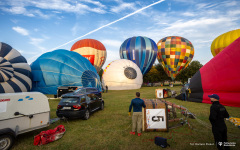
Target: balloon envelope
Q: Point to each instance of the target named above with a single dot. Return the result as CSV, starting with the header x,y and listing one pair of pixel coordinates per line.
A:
x,y
93,50
223,41
63,68
15,73
174,53
141,50
122,74
219,76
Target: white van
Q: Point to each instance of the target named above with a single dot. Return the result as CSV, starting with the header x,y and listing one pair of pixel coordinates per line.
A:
x,y
20,113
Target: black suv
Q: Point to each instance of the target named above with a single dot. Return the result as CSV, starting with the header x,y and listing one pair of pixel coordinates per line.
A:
x,y
79,105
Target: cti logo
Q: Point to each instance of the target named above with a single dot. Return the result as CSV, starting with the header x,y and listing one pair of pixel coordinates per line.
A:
x,y
157,118
27,97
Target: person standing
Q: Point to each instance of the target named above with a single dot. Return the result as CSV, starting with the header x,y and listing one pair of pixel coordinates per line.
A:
x,y
106,88
184,94
137,105
217,114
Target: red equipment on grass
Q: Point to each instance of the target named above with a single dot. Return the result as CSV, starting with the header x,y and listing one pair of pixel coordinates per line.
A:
x,y
49,136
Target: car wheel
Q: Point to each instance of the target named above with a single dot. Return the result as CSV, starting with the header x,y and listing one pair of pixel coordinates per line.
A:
x,y
102,106
6,141
86,115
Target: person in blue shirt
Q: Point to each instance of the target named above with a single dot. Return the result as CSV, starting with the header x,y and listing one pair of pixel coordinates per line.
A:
x,y
137,105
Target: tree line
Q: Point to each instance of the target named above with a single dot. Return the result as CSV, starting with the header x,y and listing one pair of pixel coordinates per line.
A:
x,y
157,73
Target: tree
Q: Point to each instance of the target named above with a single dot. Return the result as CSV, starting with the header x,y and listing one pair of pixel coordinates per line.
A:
x,y
151,76
100,73
188,72
162,74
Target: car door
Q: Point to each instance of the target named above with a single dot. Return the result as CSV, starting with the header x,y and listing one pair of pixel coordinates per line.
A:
x,y
92,103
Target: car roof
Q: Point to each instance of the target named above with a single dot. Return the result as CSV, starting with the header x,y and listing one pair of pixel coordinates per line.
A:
x,y
88,88
72,95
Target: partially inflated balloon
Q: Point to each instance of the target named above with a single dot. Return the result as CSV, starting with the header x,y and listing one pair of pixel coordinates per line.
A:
x,y
122,74
63,68
93,50
175,53
223,41
141,50
15,73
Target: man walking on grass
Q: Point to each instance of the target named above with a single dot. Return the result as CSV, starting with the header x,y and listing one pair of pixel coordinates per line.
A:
x,y
137,105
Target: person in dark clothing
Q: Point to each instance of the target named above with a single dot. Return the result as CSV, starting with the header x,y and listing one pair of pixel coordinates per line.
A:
x,y
219,129
183,91
106,88
137,105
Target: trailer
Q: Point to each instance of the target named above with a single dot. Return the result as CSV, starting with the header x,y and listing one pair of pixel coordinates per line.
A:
x,y
21,113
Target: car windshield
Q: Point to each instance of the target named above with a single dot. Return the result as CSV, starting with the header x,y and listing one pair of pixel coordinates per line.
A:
x,y
80,91
70,100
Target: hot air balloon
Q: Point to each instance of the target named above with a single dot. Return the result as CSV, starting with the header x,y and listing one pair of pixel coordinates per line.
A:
x,y
15,73
122,74
63,68
223,41
141,50
93,50
219,76
174,53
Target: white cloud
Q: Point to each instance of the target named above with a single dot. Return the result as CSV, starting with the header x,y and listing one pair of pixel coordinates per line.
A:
x,y
189,14
32,8
37,43
18,10
75,29
123,6
21,30
97,3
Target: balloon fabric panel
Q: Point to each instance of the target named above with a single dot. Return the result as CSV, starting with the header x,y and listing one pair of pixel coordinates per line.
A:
x,y
220,76
140,50
63,68
93,50
223,41
175,53
15,73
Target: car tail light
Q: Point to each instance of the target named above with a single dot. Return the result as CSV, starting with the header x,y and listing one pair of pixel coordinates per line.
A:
x,y
59,107
77,106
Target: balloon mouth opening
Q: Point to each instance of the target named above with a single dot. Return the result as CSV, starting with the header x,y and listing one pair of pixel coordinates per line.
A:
x,y
6,70
130,73
89,79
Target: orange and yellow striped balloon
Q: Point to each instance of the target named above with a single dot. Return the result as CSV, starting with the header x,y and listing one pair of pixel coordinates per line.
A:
x,y
93,50
223,41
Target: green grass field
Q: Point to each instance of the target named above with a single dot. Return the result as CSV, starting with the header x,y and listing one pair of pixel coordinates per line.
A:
x,y
109,128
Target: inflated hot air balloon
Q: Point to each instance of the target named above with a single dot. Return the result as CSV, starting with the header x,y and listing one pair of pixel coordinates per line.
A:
x,y
141,50
122,74
63,68
15,73
219,76
93,50
223,41
174,53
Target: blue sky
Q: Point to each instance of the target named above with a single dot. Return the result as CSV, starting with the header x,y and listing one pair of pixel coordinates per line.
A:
x,y
34,27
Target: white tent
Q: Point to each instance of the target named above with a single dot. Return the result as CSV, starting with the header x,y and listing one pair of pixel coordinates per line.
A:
x,y
122,74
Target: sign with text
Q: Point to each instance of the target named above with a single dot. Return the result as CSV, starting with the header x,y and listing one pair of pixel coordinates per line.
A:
x,y
90,58
155,119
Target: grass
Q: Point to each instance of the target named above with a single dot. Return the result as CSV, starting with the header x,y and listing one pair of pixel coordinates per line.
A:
x,y
109,129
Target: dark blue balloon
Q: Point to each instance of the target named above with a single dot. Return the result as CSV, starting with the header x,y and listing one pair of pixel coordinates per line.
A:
x,y
63,68
141,50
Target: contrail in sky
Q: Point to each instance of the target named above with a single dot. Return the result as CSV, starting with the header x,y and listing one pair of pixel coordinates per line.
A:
x,y
135,12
